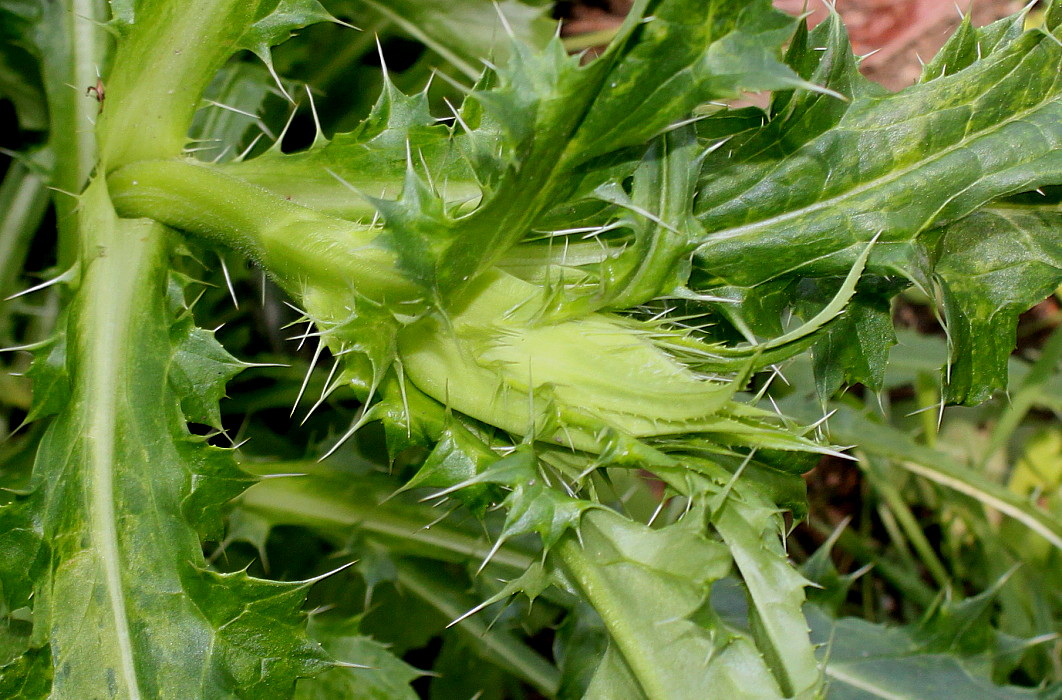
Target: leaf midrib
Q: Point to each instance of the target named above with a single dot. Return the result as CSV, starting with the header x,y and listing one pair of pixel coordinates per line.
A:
x,y
112,289
892,176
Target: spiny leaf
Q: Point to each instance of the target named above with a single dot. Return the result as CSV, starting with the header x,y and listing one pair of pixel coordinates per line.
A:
x,y
543,115
419,229
258,642
107,538
457,457
660,212
823,57
992,266
970,44
557,116
962,627
337,176
752,529
804,212
691,52
855,347
829,587
790,188
532,506
379,674
201,368
276,21
51,384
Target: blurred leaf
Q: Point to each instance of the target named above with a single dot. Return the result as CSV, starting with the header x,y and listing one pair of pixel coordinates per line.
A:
x,y
866,660
465,32
20,79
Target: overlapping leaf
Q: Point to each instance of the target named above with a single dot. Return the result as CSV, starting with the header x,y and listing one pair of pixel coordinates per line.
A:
x,y
661,578
893,165
799,198
824,175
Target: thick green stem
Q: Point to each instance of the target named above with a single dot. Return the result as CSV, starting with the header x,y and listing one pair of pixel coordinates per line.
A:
x,y
167,58
294,243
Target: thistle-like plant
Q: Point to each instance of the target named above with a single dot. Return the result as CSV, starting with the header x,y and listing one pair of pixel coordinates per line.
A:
x,y
570,281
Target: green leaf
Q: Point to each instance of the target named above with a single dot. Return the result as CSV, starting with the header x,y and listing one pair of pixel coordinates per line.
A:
x,y
466,31
374,674
752,529
580,647
51,384
651,589
855,347
543,115
962,627
787,201
276,21
201,368
660,213
970,44
107,538
692,52
70,47
929,154
823,57
28,676
556,116
992,266
866,661
372,160
457,458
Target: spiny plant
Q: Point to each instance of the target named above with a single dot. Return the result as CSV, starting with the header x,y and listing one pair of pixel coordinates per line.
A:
x,y
571,283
